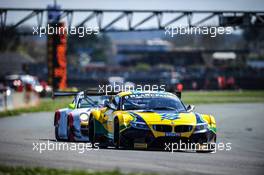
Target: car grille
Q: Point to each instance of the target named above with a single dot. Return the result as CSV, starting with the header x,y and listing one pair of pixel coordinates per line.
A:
x,y
162,128
183,128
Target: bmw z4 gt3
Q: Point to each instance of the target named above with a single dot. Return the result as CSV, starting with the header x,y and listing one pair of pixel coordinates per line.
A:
x,y
149,119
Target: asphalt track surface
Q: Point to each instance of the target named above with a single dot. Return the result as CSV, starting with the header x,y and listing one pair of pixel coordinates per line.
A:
x,y
239,124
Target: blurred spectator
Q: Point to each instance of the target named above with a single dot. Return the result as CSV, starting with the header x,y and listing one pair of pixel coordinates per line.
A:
x,y
194,85
179,87
230,83
221,82
28,88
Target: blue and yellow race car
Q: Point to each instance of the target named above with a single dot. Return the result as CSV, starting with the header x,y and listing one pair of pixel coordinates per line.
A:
x,y
145,119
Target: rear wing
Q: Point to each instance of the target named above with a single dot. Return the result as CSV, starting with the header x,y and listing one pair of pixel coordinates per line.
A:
x,y
63,94
94,92
88,92
178,94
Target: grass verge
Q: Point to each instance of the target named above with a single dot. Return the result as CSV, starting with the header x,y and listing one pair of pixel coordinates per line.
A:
x,y
205,97
188,97
48,171
45,104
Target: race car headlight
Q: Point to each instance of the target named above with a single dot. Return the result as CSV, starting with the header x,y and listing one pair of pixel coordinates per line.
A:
x,y
200,128
84,117
139,125
138,122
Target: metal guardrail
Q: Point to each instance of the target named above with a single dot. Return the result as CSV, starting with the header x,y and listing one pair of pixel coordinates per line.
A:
x,y
9,99
5,98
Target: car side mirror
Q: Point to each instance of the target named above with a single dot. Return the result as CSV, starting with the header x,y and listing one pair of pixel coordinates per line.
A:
x,y
109,105
190,108
71,106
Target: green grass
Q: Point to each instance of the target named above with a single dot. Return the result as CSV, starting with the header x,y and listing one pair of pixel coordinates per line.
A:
x,y
48,171
188,97
205,97
45,104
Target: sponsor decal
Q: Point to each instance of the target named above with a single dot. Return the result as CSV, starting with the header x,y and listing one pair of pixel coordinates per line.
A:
x,y
171,134
168,116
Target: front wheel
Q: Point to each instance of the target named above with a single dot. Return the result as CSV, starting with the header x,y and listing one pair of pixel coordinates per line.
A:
x,y
116,133
91,133
57,133
70,133
211,147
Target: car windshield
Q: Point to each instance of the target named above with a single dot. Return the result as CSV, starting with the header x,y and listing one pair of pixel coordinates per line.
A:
x,y
153,102
92,101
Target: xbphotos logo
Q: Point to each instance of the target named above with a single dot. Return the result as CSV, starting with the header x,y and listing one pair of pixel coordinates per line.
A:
x,y
211,31
62,146
61,30
116,87
189,146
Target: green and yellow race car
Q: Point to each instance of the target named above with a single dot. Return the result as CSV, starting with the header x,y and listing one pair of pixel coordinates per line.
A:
x,y
146,119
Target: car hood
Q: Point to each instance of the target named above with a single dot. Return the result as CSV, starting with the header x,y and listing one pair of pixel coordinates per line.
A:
x,y
166,117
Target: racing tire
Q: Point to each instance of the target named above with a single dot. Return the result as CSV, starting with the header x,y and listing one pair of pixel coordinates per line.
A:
x,y
116,133
212,146
208,150
57,133
103,146
70,133
91,133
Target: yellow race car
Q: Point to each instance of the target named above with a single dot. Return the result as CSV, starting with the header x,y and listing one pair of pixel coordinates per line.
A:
x,y
145,119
